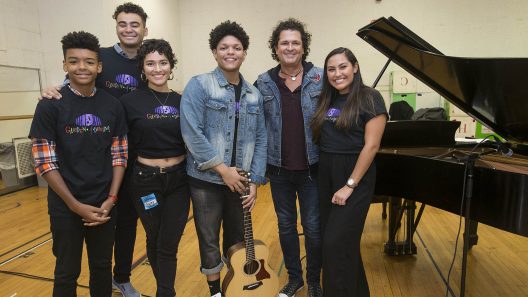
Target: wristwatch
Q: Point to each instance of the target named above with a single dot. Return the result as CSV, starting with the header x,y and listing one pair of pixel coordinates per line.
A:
x,y
351,183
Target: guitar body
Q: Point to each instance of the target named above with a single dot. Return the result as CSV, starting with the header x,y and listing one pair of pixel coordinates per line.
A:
x,y
254,279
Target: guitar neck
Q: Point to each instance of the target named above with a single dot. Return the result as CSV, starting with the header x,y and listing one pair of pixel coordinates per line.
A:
x,y
248,236
248,228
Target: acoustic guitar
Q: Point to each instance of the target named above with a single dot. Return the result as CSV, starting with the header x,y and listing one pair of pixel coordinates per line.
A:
x,y
249,274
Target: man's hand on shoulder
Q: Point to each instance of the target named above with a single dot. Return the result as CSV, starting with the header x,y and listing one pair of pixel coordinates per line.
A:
x,y
51,93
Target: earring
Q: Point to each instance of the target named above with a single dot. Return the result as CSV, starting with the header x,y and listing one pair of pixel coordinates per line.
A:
x,y
143,76
171,77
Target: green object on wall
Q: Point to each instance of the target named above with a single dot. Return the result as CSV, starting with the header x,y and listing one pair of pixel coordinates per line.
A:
x,y
409,97
482,132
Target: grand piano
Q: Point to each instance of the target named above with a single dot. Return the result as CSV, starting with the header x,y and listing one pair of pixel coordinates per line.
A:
x,y
431,168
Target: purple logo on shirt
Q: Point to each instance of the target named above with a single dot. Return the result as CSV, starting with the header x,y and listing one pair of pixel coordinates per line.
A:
x,y
333,113
127,80
88,120
237,109
165,109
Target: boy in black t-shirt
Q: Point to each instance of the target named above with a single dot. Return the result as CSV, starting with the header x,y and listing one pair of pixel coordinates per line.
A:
x,y
120,76
80,149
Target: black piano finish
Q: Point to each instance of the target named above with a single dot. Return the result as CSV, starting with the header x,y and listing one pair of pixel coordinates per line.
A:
x,y
492,90
500,198
419,133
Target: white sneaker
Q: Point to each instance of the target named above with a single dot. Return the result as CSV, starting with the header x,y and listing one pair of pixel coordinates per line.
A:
x,y
126,289
219,294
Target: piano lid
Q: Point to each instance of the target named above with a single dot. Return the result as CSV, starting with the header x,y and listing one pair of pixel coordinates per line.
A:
x,y
492,90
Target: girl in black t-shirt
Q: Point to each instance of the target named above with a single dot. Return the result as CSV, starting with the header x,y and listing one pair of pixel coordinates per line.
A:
x,y
348,125
158,183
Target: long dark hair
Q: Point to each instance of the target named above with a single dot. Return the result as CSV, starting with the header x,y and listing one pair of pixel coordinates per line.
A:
x,y
358,98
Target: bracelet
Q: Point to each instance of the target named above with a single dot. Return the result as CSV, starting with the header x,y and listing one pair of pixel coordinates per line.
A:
x,y
113,197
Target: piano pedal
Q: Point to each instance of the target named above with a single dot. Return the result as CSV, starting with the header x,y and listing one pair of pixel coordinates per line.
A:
x,y
400,248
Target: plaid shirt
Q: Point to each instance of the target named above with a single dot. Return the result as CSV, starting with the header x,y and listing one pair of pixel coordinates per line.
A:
x,y
45,156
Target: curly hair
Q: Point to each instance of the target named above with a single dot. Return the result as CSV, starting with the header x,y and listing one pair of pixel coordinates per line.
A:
x,y
290,24
155,45
130,7
81,40
228,28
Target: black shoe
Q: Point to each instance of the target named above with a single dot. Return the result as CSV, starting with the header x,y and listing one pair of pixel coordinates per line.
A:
x,y
290,289
314,290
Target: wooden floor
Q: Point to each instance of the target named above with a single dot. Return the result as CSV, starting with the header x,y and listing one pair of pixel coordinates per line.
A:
x,y
498,265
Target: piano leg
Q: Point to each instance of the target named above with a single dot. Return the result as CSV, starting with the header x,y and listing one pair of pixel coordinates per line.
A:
x,y
397,209
394,208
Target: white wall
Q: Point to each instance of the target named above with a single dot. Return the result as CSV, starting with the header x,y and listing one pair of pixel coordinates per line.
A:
x,y
20,33
473,28
19,46
30,34
30,30
58,17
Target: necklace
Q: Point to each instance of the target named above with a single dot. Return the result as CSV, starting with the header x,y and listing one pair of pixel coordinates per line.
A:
x,y
166,98
292,77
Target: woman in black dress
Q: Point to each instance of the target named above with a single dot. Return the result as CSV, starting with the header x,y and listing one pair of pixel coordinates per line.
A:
x,y
347,125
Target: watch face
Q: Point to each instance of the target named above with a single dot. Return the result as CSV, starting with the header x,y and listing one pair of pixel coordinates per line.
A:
x,y
350,182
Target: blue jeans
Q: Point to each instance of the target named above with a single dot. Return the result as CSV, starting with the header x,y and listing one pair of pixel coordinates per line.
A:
x,y
214,206
286,187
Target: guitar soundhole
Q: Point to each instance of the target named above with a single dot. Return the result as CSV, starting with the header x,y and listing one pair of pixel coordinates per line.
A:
x,y
251,267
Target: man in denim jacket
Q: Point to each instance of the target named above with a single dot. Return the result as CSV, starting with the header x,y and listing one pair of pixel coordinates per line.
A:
x,y
290,91
222,122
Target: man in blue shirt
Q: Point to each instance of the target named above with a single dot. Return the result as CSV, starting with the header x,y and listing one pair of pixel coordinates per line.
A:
x,y
290,91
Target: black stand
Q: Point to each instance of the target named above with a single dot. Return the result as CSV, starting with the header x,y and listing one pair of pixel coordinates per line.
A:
x,y
469,225
381,73
470,163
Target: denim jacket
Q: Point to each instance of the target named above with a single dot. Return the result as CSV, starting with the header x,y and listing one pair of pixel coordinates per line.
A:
x,y
208,124
310,91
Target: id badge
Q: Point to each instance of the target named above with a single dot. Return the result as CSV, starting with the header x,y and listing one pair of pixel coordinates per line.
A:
x,y
149,201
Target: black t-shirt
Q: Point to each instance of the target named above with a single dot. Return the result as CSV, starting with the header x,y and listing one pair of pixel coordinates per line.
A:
x,y
120,75
154,124
238,93
351,141
82,129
